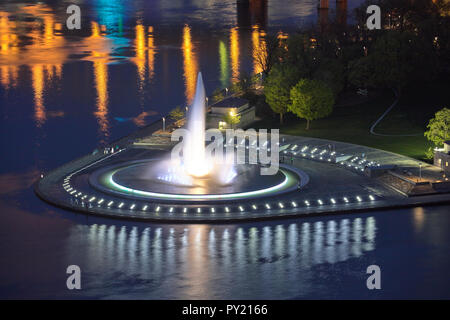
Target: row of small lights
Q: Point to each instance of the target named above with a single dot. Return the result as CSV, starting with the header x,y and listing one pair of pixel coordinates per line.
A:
x,y
293,204
241,144
315,153
360,163
268,206
323,155
66,185
73,192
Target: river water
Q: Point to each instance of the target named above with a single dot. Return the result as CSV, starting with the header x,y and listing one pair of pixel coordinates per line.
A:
x,y
63,93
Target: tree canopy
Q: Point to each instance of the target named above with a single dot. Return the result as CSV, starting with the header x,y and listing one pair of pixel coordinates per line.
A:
x,y
331,72
300,55
311,100
232,119
217,95
439,127
395,60
267,53
177,114
277,87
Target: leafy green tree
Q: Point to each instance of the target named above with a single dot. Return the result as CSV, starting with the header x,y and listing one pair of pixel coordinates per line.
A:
x,y
394,61
439,127
351,52
267,54
232,119
331,72
389,64
242,86
408,15
300,54
311,100
176,114
277,88
360,73
244,83
217,95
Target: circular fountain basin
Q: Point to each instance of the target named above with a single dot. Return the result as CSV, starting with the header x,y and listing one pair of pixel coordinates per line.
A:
x,y
133,180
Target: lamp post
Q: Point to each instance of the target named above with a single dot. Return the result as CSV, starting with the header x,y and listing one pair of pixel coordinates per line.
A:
x,y
420,171
164,124
226,91
206,101
232,114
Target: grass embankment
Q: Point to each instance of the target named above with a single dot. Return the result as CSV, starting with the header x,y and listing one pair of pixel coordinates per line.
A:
x,y
351,123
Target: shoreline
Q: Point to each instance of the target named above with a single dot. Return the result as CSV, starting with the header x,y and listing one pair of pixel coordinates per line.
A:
x,y
330,180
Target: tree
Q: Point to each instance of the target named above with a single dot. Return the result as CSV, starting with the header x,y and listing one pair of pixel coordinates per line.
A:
x,y
311,100
301,54
387,65
408,15
217,95
267,53
394,61
360,73
232,118
439,127
331,72
176,114
277,88
244,83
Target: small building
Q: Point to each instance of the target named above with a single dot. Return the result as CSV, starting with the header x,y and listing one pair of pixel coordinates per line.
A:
x,y
231,105
442,157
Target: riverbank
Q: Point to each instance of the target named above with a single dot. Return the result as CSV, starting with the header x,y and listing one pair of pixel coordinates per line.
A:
x,y
346,180
405,123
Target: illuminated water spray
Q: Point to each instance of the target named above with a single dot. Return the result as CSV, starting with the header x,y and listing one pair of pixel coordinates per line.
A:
x,y
195,160
197,167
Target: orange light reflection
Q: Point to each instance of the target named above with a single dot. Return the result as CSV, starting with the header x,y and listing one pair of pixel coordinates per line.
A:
x,y
259,48
190,64
234,52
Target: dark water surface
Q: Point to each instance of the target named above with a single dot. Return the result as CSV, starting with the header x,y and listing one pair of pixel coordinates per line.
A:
x,y
63,93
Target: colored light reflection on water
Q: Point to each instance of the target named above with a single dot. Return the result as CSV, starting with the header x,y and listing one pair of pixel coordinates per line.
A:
x,y
190,64
307,258
259,49
62,95
234,53
120,33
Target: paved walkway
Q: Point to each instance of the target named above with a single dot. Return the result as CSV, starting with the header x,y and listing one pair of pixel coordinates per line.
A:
x,y
333,188
372,128
404,164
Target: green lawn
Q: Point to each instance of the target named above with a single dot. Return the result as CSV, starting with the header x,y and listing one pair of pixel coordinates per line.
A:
x,y
415,108
351,124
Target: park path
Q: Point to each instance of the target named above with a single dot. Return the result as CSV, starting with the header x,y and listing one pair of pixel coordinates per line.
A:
x,y
372,128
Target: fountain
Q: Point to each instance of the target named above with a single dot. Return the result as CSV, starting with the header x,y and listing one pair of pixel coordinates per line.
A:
x,y
196,166
195,161
194,176
142,180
